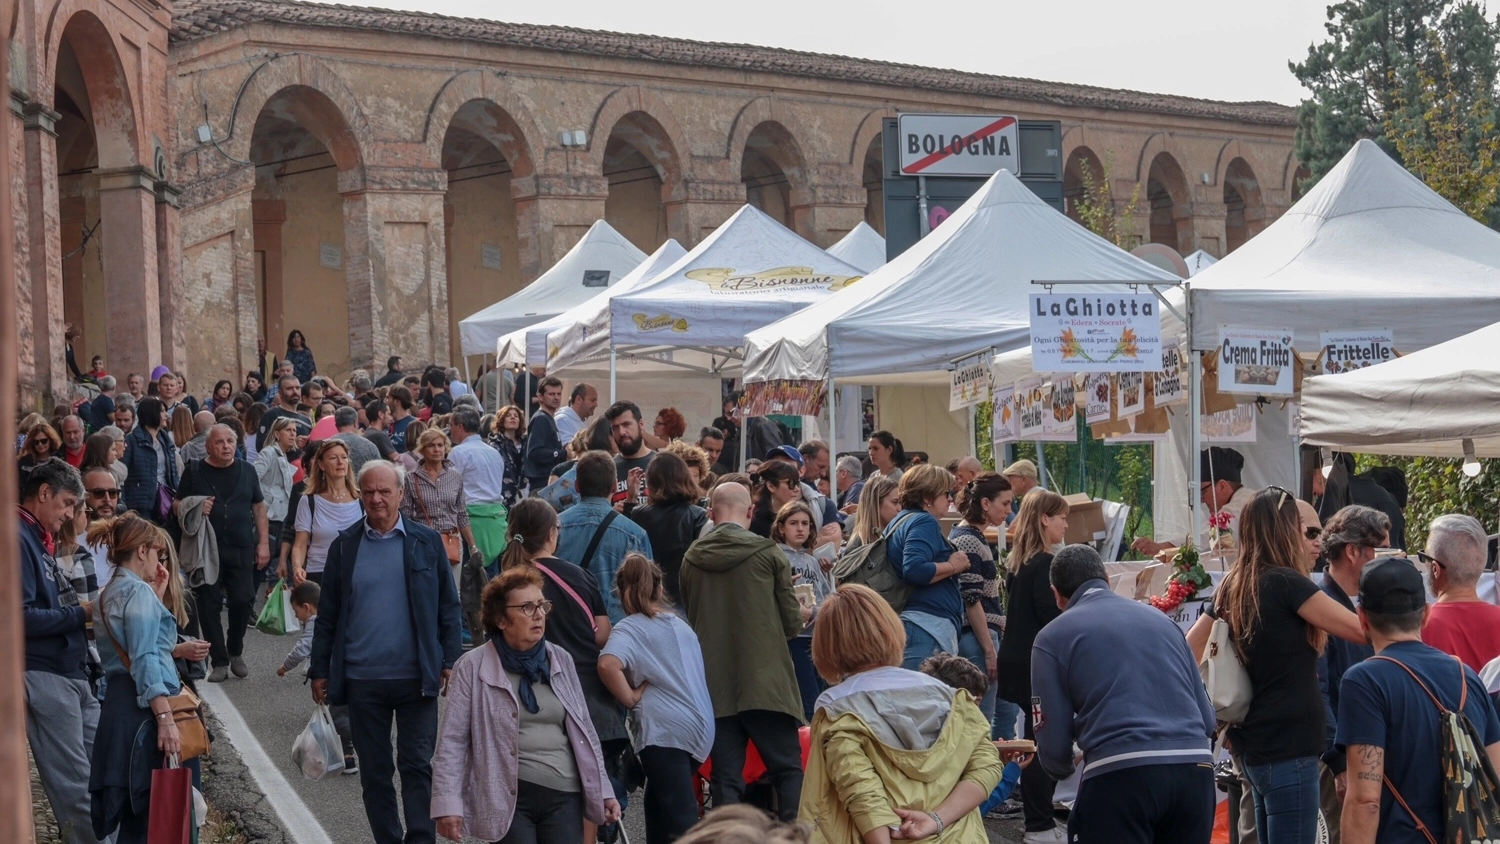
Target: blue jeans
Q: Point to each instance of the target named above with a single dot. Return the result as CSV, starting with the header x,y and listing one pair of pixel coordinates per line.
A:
x,y
919,646
1286,800
809,684
968,648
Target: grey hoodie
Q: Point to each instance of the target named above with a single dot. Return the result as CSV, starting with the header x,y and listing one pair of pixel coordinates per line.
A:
x,y
200,549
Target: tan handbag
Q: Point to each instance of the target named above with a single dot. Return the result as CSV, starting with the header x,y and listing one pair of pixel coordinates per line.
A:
x,y
186,708
452,542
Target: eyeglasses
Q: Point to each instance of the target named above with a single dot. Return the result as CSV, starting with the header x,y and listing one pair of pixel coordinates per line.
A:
x,y
102,492
531,608
1313,532
1430,560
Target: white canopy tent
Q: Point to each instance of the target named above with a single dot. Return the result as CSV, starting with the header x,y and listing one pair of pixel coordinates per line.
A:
x,y
599,259
528,346
862,247
1369,247
962,289
694,316
1198,262
1424,404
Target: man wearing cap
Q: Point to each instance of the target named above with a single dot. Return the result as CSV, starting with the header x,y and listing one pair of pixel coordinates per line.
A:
x,y
1220,471
1389,727
1023,478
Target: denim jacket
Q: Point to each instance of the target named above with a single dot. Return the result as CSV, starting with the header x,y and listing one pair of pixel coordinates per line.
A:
x,y
578,524
136,620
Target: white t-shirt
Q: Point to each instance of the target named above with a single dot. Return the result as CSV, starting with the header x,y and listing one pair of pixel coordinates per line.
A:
x,y
663,652
324,523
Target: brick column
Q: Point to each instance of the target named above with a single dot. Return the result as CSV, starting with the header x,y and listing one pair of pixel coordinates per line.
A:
x,y
704,206
127,211
396,267
45,246
552,213
828,211
1205,230
169,280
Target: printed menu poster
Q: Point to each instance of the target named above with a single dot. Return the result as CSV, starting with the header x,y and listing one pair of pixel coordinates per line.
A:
x,y
1345,351
1171,382
1061,418
1259,361
1095,332
1231,426
1031,407
1100,403
970,382
1005,425
1132,394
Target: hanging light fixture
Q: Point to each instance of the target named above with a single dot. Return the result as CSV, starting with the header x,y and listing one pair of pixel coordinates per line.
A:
x,y
1327,462
1471,463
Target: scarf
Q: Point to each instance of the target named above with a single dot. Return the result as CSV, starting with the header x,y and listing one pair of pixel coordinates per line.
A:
x,y
534,666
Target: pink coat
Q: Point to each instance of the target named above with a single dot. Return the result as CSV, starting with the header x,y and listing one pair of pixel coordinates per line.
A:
x,y
474,774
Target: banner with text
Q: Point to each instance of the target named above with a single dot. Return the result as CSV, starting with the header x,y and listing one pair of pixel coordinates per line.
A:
x,y
1132,394
1005,426
1061,422
1171,382
1032,407
1231,426
1256,360
788,397
970,384
1100,404
1095,332
1344,351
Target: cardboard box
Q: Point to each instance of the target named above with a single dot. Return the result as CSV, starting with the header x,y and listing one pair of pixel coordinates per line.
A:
x,y
1085,519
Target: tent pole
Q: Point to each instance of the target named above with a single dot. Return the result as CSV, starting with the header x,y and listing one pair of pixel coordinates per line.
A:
x,y
612,359
1041,463
744,435
1195,423
833,436
969,419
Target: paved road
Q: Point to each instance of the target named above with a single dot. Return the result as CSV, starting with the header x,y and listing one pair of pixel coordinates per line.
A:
x,y
274,710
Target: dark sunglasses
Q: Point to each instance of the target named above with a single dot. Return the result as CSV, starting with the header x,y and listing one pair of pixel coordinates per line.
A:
x,y
1430,560
101,492
1313,532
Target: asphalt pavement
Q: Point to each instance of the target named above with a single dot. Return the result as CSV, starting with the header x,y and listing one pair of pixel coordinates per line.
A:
x,y
271,713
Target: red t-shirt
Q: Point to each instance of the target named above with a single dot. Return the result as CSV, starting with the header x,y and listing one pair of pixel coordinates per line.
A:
x,y
74,460
1469,630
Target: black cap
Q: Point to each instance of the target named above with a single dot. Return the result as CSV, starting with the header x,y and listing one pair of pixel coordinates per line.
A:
x,y
1392,586
1220,464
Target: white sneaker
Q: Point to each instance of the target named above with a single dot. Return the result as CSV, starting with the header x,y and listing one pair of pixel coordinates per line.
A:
x,y
1055,835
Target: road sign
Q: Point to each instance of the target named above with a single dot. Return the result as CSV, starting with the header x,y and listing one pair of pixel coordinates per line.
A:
x,y
958,144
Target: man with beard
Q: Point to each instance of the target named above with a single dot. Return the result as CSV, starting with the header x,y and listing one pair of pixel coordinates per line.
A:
x,y
630,463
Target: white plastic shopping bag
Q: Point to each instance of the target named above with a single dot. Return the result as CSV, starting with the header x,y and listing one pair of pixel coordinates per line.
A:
x,y
318,752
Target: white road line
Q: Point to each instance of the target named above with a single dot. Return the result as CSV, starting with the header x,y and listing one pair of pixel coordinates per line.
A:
x,y
300,822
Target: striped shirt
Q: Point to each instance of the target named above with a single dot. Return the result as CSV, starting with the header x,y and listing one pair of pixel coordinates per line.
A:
x,y
439,504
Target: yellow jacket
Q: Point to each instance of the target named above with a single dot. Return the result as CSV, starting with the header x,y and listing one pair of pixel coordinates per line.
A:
x,y
855,780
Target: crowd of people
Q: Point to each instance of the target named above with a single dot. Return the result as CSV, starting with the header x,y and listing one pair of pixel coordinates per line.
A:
x,y
609,606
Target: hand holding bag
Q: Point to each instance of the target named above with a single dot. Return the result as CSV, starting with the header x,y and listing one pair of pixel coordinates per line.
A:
x,y
170,819
318,752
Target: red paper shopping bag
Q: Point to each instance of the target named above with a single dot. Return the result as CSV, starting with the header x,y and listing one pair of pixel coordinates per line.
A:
x,y
171,818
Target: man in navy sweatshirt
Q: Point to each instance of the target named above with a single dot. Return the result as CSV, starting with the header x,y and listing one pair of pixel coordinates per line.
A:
x,y
1117,677
61,711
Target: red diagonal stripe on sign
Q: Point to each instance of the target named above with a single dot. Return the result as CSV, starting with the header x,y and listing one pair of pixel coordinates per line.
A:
x,y
924,163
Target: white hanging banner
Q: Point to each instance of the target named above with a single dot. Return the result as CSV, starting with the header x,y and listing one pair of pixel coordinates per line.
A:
x,y
1100,402
1005,425
1132,394
970,383
1095,332
1171,386
1231,426
1032,407
1259,361
1348,350
1060,422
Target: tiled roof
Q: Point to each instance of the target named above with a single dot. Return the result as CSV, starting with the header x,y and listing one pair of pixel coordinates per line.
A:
x,y
195,19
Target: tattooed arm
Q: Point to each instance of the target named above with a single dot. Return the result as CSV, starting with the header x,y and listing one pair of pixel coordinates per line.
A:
x,y
1366,775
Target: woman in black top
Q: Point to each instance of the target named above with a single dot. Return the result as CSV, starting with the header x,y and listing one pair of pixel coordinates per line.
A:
x,y
1280,620
672,520
1040,528
776,483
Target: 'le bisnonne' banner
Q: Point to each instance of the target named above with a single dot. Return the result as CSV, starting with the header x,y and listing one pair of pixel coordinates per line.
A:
x,y
1095,332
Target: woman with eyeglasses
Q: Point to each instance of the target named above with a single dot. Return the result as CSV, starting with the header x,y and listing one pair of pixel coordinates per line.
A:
x,y
776,483
517,758
934,613
1280,622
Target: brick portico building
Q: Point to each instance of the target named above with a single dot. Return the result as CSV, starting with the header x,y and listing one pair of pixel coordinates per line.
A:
x,y
371,177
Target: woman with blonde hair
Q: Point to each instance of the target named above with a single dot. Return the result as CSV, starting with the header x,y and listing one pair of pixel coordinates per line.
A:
x,y
891,748
653,665
181,425
137,622
879,502
1280,621
434,496
1040,528
929,564
328,506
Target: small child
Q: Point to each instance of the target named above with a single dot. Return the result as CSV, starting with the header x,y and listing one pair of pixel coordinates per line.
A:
x,y
305,597
960,673
793,532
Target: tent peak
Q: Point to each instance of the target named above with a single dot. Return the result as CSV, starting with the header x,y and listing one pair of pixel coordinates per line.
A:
x,y
1367,178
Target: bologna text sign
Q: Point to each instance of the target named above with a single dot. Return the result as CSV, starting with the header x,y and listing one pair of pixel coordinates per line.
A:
x,y
958,144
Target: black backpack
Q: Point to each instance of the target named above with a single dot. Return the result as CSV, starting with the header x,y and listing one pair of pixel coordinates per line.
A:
x,y
870,565
1471,791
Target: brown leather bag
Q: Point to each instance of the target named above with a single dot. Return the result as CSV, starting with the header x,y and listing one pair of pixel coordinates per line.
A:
x,y
186,708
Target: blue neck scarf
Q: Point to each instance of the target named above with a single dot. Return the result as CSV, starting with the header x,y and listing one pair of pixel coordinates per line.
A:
x,y
534,666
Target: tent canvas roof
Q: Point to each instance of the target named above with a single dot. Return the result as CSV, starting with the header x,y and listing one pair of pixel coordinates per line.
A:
x,y
862,247
962,289
1369,247
1198,262
750,272
1423,404
528,346
600,258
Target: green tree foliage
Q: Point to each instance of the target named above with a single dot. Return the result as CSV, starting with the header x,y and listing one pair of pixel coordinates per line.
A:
x,y
1368,73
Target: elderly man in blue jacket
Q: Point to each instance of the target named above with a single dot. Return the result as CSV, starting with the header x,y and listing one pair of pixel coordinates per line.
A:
x,y
386,638
1138,712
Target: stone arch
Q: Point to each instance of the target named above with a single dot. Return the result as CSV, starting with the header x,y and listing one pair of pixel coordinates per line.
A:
x,y
870,130
769,160
112,108
1170,202
1083,174
1244,205
1293,174
514,131
324,104
652,127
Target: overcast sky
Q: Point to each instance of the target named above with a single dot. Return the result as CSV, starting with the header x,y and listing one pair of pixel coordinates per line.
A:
x,y
1213,49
